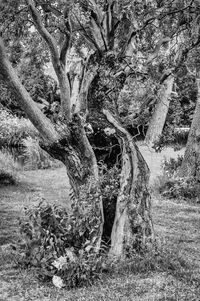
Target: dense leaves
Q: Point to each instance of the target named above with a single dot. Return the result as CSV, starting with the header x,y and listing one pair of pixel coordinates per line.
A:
x,y
60,244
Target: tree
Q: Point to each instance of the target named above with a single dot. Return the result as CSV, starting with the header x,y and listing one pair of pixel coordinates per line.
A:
x,y
190,163
114,33
158,118
72,146
181,43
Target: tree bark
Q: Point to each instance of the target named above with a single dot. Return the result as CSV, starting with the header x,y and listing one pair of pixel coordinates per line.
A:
x,y
158,118
191,162
133,225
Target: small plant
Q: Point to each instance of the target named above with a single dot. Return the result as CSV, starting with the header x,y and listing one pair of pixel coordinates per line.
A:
x,y
8,168
171,186
181,189
60,245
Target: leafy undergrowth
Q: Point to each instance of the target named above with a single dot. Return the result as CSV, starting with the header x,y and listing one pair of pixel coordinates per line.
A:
x,y
169,272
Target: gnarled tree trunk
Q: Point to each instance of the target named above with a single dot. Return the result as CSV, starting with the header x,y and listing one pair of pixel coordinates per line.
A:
x,y
158,118
133,225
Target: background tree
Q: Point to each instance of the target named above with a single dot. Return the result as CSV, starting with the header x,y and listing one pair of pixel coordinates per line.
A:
x,y
190,164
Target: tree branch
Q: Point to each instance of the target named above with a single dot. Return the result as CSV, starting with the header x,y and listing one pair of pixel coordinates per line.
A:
x,y
57,61
64,49
43,31
39,120
67,39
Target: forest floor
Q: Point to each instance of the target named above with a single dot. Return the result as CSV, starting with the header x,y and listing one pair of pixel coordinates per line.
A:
x,y
177,227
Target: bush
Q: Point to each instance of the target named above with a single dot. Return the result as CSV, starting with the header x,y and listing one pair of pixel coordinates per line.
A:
x,y
8,168
181,189
35,157
170,167
60,245
14,129
173,187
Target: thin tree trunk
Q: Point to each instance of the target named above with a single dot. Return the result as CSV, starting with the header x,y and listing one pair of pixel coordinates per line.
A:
x,y
133,225
157,121
191,163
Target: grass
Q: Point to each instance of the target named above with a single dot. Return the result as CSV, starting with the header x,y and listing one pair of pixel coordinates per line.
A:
x,y
174,275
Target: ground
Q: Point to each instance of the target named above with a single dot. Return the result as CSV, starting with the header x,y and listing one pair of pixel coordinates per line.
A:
x,y
177,231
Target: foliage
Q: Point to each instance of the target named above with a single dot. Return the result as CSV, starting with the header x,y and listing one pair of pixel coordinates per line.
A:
x,y
170,166
62,244
13,129
8,168
35,157
28,55
59,244
171,186
181,189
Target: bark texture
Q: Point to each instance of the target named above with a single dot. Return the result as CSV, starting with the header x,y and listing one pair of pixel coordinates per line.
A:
x,y
191,162
158,118
133,225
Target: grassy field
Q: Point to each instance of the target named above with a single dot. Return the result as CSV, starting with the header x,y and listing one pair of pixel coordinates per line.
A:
x,y
175,277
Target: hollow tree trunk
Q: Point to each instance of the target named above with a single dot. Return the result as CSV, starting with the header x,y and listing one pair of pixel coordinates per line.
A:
x,y
133,225
157,121
191,162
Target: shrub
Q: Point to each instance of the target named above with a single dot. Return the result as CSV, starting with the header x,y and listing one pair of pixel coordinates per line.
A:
x,y
8,168
170,166
35,157
171,186
181,189
14,129
60,245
